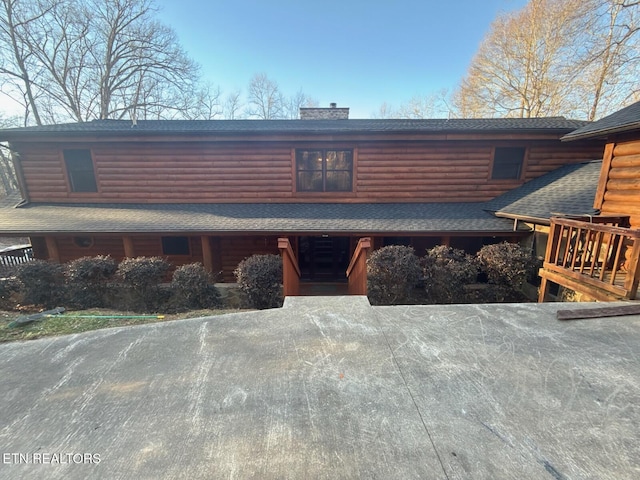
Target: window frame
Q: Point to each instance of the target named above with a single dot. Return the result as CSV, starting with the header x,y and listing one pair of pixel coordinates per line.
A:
x,y
522,167
323,152
72,186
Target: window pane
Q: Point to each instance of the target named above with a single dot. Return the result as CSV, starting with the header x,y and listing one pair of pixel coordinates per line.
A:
x,y
339,160
338,181
309,160
507,163
83,181
175,245
80,170
310,181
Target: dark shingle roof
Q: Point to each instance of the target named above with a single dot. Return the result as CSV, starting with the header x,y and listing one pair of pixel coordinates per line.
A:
x,y
203,127
252,218
621,121
570,189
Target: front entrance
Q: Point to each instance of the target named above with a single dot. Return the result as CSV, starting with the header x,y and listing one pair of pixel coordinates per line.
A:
x,y
323,259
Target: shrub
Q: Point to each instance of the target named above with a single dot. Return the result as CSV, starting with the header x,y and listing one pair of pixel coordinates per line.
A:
x,y
507,266
392,274
260,278
446,272
9,286
142,277
193,287
87,280
41,283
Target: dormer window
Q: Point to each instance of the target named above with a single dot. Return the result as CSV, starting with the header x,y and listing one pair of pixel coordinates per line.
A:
x,y
80,172
508,163
324,170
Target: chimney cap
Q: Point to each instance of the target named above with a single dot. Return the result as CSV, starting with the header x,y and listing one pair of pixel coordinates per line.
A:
x,y
333,105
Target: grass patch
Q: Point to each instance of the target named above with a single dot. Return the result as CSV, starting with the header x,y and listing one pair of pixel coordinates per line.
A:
x,y
67,324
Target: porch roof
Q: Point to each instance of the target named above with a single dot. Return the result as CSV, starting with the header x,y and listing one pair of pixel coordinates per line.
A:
x,y
371,218
570,189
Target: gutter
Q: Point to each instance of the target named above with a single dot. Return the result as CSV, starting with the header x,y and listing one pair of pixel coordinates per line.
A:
x,y
523,218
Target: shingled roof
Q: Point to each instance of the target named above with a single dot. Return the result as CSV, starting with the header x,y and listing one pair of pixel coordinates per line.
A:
x,y
203,127
251,218
570,189
621,121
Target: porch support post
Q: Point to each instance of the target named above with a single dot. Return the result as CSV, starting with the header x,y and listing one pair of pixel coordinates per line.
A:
x,y
446,241
129,251
207,259
290,269
52,249
357,270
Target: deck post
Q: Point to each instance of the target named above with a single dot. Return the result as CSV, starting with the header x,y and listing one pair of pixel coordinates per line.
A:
x,y
631,280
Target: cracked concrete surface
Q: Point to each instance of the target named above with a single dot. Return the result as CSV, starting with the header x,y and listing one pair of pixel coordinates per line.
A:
x,y
329,387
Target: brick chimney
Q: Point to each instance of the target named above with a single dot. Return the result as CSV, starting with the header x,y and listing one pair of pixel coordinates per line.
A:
x,y
331,113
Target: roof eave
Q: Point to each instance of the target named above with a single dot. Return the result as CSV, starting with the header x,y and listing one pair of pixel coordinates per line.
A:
x,y
604,133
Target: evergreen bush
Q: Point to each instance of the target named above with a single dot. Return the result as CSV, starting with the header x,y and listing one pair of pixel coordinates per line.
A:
x,y
41,283
141,278
9,287
446,273
260,278
88,280
508,267
392,274
193,287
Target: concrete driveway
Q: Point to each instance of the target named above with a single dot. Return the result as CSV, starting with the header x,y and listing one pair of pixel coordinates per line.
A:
x,y
326,388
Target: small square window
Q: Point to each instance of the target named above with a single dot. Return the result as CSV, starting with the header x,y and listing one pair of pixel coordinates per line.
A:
x,y
175,246
507,163
79,165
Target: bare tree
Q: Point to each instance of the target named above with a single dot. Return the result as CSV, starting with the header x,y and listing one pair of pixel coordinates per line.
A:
x,y
265,100
520,68
385,110
576,58
232,107
8,179
613,60
434,105
292,105
86,59
17,63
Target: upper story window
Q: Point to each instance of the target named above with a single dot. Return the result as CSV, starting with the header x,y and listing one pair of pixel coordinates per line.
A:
x,y
79,164
508,163
324,170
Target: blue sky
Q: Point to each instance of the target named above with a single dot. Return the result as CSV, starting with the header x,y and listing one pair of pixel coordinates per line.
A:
x,y
356,53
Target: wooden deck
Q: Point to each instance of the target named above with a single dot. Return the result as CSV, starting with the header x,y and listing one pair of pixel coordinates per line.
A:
x,y
598,257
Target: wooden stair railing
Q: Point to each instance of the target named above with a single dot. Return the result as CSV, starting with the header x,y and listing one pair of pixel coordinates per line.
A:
x,y
357,270
290,269
598,258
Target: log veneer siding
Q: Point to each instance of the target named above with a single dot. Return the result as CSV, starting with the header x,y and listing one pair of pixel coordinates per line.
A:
x,y
204,172
621,179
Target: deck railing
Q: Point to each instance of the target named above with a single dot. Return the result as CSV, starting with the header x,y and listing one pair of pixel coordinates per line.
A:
x,y
597,257
15,256
290,269
357,270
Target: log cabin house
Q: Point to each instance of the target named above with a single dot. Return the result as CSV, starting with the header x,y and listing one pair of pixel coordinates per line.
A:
x,y
218,191
597,255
